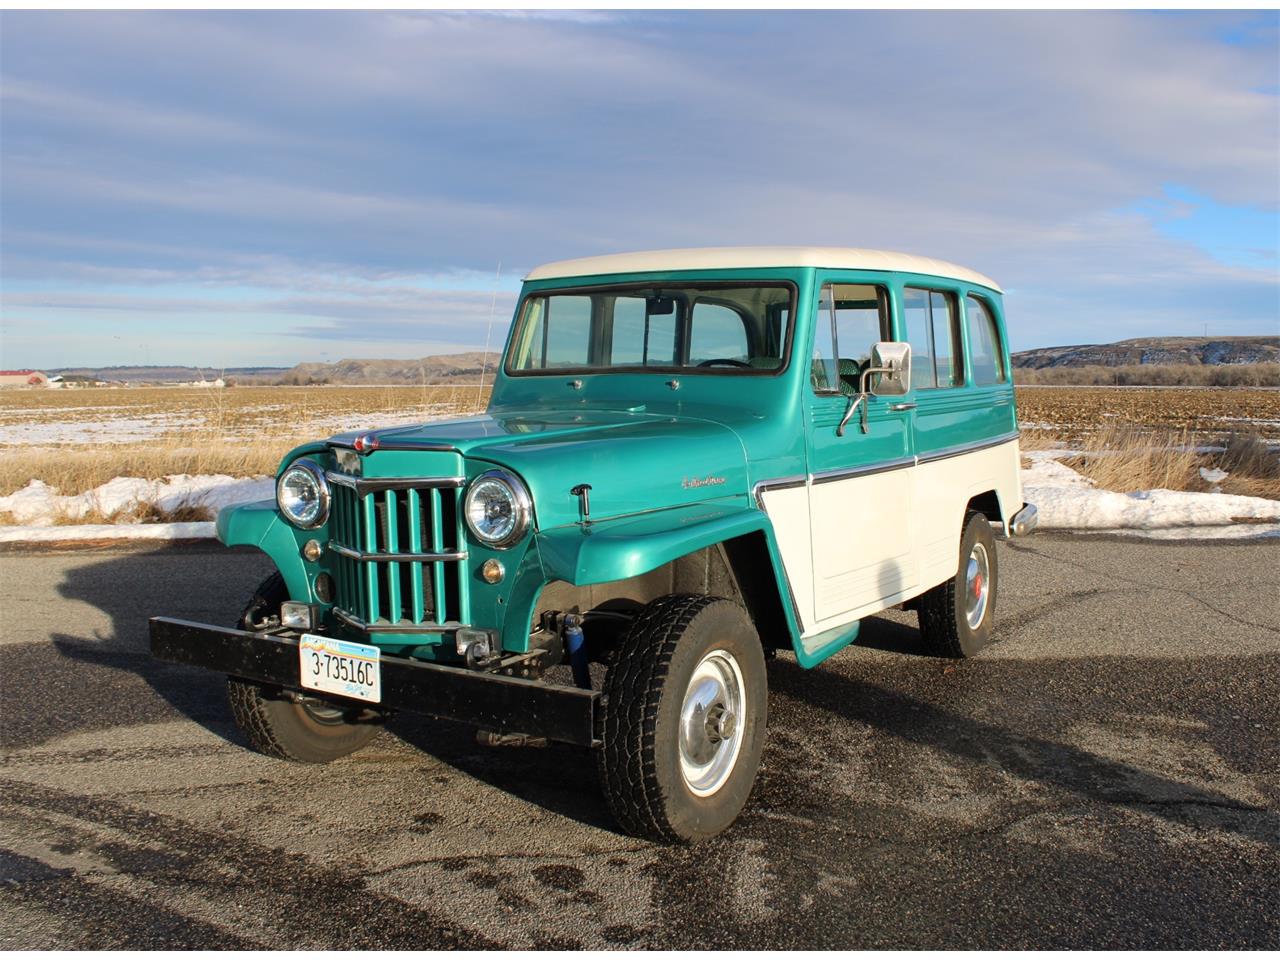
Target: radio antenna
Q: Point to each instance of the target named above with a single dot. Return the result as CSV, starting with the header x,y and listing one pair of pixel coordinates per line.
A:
x,y
488,333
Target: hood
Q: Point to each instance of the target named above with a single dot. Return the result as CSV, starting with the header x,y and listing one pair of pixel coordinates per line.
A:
x,y
632,461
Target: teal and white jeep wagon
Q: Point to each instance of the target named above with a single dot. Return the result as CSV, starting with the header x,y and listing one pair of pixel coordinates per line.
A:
x,y
692,461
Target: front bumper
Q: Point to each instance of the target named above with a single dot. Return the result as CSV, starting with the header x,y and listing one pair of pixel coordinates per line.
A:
x,y
504,704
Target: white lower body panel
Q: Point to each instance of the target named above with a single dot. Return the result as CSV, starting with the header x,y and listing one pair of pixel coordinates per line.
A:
x,y
853,547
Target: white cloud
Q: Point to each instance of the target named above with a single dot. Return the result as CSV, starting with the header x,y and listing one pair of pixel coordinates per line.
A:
x,y
350,155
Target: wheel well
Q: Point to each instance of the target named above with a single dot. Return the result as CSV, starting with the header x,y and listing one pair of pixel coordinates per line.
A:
x,y
739,569
987,504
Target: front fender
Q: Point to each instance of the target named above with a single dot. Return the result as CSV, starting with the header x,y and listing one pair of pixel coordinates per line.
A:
x,y
260,525
629,546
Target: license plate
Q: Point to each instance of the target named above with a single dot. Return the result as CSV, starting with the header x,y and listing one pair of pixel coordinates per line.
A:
x,y
339,666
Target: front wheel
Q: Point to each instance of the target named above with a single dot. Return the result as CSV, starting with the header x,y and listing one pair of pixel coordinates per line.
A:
x,y
685,711
285,725
956,617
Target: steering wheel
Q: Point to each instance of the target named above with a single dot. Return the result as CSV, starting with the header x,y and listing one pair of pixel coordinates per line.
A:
x,y
725,360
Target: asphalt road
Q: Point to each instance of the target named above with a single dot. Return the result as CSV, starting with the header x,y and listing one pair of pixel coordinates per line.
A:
x,y
1107,776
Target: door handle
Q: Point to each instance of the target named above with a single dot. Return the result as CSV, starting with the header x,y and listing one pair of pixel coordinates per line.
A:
x,y
902,406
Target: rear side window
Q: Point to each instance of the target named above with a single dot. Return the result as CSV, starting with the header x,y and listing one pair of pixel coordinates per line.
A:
x,y
986,358
852,318
933,330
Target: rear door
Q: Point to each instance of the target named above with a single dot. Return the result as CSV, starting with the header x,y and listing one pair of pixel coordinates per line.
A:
x,y
948,420
860,489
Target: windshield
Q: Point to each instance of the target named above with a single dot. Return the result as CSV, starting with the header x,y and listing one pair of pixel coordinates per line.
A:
x,y
721,327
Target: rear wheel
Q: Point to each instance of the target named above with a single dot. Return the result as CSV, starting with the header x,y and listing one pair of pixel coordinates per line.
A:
x,y
956,617
287,725
685,710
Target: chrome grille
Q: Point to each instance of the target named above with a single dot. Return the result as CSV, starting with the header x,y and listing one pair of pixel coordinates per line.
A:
x,y
397,552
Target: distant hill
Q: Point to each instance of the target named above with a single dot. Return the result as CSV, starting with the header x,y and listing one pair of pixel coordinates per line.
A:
x,y
449,368
1163,351
163,374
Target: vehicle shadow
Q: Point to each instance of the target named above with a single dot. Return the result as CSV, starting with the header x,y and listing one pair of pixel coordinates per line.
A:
x,y
1027,757
559,778
100,677
890,636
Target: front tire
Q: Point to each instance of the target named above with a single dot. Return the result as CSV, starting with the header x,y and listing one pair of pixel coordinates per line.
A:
x,y
283,725
685,711
956,617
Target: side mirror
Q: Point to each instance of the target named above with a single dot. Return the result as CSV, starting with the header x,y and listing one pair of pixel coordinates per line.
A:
x,y
892,363
891,367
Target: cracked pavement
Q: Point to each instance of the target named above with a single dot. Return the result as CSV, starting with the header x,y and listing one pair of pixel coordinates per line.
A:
x,y
1106,776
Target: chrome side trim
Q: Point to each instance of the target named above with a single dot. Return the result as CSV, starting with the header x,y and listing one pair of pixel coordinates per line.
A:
x,y
363,485
827,476
761,487
394,557
758,490
963,448
359,624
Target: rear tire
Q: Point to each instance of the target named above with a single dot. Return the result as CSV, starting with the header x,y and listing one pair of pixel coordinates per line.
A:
x,y
685,710
956,617
281,725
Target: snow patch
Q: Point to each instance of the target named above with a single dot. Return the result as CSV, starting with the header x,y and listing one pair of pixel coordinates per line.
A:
x,y
108,531
1067,500
40,505
146,426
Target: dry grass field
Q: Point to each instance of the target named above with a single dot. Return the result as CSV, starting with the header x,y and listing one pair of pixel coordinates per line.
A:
x,y
1135,438
76,440
1077,413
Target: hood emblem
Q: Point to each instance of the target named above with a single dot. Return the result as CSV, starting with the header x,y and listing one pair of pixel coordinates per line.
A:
x,y
693,483
365,442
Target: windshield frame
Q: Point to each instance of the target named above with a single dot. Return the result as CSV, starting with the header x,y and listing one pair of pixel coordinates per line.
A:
x,y
522,314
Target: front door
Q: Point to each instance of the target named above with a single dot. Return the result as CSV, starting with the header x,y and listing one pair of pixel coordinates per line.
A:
x,y
860,487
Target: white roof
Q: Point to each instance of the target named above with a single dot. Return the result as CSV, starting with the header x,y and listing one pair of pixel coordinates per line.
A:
x,y
728,258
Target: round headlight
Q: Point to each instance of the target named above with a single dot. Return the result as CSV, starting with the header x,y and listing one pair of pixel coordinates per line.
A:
x,y
497,508
302,494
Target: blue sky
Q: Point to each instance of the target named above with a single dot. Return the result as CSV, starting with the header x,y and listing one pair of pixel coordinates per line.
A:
x,y
238,188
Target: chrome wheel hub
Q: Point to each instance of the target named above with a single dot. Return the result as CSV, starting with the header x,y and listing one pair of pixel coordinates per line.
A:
x,y
977,586
711,723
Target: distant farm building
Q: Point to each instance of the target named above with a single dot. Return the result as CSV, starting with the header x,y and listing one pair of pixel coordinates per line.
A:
x,y
23,378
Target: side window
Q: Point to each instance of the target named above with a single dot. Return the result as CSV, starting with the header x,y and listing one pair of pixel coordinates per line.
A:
x,y
717,332
822,372
559,335
946,339
851,319
933,330
915,311
986,358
